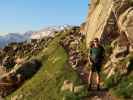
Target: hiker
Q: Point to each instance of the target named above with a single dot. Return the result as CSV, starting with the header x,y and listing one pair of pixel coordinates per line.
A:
x,y
95,57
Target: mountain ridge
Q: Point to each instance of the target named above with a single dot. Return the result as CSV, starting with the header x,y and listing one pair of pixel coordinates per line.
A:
x,y
21,37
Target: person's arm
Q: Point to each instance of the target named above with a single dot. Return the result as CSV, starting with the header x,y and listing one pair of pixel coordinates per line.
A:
x,y
89,55
89,52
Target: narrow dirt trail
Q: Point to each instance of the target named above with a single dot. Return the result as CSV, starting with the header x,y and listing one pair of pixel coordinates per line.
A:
x,y
78,60
94,94
100,95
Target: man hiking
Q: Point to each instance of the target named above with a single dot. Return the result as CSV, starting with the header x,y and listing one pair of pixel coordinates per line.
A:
x,y
95,57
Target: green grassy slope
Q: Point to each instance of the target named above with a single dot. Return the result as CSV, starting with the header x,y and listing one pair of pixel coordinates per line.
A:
x,y
46,84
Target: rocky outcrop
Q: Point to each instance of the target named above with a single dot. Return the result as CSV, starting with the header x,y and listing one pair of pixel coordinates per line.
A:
x,y
9,82
106,19
99,13
112,22
73,44
125,23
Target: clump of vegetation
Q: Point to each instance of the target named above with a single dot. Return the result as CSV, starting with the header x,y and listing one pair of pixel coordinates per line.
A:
x,y
125,87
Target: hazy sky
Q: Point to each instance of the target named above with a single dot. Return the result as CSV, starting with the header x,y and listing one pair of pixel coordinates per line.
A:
x,y
24,15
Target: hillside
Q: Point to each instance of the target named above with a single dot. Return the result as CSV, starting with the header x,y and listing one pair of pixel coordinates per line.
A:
x,y
47,82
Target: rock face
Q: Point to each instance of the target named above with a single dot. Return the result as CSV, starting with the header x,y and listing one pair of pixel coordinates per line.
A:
x,y
107,18
112,22
126,23
99,13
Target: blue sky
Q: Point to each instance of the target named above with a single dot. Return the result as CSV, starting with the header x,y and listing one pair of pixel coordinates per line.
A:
x,y
24,15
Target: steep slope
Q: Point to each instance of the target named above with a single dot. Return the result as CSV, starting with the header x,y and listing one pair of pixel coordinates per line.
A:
x,y
47,83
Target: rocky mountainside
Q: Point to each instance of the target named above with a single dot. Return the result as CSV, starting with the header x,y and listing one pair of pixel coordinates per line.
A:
x,y
63,58
108,18
112,22
58,62
17,37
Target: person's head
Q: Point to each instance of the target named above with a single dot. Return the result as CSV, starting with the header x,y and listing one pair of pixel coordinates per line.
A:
x,y
96,42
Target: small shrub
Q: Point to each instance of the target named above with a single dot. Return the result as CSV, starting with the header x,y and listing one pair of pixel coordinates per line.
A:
x,y
125,88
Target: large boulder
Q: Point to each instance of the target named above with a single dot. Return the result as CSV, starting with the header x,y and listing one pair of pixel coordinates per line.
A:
x,y
67,86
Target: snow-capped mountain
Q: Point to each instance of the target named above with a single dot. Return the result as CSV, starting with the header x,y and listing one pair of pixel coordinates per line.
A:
x,y
48,31
11,37
17,37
